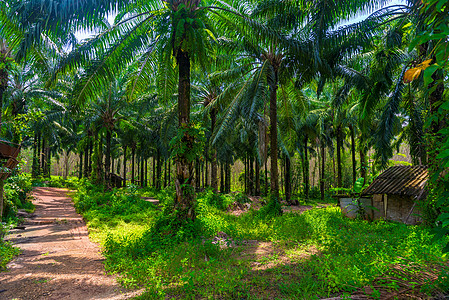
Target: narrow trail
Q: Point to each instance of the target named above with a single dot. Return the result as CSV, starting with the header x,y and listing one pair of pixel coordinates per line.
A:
x,y
58,261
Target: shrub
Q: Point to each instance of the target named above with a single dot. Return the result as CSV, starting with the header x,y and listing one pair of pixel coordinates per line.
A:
x,y
16,190
7,252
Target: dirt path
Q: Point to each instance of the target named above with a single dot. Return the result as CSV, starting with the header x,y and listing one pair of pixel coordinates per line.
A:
x,y
58,260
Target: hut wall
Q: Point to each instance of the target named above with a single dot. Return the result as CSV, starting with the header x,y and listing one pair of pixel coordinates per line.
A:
x,y
378,204
398,208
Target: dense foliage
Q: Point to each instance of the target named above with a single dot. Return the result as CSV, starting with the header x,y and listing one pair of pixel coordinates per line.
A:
x,y
16,196
7,251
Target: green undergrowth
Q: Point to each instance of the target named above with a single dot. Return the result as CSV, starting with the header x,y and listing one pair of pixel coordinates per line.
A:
x,y
7,251
294,256
17,190
70,182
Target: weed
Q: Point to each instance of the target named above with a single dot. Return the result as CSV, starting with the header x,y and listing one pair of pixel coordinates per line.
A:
x,y
7,251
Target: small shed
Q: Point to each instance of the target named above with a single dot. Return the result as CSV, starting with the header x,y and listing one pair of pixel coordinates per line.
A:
x,y
395,192
8,154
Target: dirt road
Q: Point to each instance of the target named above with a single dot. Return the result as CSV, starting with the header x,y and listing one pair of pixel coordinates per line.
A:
x,y
58,260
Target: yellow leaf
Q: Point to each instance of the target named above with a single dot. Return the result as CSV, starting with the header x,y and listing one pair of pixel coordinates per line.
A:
x,y
424,64
412,74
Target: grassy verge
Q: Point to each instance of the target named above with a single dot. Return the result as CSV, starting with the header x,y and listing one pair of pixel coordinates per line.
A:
x,y
7,251
295,256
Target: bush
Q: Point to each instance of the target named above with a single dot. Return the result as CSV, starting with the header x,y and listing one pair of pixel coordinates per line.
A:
x,y
16,190
219,201
7,252
241,198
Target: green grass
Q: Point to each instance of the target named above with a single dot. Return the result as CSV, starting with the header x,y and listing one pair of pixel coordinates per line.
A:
x,y
295,256
7,251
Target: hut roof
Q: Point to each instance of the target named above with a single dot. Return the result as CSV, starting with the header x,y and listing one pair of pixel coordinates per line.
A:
x,y
400,180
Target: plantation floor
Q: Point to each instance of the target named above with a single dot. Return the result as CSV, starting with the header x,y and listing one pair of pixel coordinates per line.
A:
x,y
58,261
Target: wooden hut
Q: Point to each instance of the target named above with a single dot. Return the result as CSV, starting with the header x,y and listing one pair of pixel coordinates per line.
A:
x,y
395,192
8,154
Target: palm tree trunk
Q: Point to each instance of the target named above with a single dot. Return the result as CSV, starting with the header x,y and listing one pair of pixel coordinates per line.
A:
x,y
156,174
158,171
154,170
203,175
165,174
146,172
42,156
133,153
86,161
339,146
80,174
38,155
282,175
169,171
107,159
323,164
251,176
214,168
112,164
306,167
228,178
137,180
363,165
274,182
245,163
197,174
257,192
185,193
124,165
91,151
266,177
97,171
206,170
48,165
142,171
354,162
288,183
35,167
66,164
222,188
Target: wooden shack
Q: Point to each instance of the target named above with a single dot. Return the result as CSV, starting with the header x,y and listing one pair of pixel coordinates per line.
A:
x,y
8,154
395,192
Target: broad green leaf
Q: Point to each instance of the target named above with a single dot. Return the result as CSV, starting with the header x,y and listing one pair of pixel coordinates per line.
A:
x,y
358,185
443,154
443,216
428,74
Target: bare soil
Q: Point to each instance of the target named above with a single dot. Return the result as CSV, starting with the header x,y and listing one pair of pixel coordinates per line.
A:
x,y
58,261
